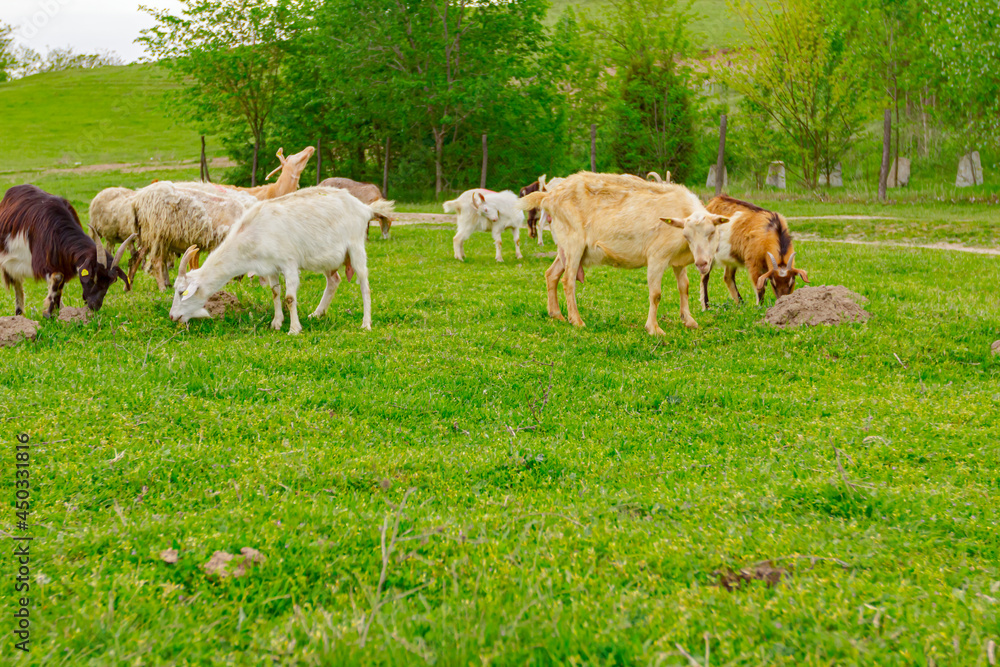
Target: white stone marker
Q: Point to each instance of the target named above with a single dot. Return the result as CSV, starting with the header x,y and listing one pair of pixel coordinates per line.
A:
x,y
711,177
899,174
970,171
834,179
776,175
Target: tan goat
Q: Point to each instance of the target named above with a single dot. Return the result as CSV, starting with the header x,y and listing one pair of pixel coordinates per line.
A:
x,y
627,222
291,169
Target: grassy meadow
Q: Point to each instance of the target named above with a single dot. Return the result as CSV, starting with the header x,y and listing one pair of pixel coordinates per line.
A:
x,y
472,482
549,495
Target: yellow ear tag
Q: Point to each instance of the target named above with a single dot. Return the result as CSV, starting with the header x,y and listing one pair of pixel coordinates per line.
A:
x,y
185,292
85,272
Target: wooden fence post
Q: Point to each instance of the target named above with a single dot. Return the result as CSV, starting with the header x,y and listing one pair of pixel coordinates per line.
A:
x,y
205,176
385,170
319,159
482,177
886,150
253,174
720,163
593,147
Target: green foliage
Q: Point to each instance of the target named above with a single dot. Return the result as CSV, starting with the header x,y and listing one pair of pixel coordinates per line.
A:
x,y
806,76
7,58
229,55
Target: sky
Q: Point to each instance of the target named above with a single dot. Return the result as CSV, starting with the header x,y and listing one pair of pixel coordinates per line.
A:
x,y
88,26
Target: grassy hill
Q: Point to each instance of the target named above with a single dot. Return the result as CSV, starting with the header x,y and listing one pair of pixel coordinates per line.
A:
x,y
91,117
714,25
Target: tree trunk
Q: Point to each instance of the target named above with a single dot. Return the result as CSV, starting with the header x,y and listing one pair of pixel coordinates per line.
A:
x,y
720,162
205,176
886,152
385,170
593,147
482,177
319,159
253,174
438,157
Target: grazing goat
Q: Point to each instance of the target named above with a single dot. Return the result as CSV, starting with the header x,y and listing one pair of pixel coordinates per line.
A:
x,y
486,211
170,219
41,237
368,193
543,217
112,220
537,220
291,170
752,236
316,229
627,222
653,176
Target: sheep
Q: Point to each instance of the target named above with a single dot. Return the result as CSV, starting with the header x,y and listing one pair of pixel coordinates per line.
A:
x,y
316,229
170,219
628,222
752,236
41,237
485,210
112,220
368,193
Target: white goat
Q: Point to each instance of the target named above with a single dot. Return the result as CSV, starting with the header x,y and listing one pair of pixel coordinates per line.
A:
x,y
316,229
544,219
486,211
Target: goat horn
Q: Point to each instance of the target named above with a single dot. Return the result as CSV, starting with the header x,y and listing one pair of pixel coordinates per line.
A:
x,y
791,261
541,182
182,269
668,177
282,166
774,262
654,177
121,249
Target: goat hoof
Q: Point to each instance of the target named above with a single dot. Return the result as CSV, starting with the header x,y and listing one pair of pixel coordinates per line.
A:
x,y
557,316
691,325
276,324
294,331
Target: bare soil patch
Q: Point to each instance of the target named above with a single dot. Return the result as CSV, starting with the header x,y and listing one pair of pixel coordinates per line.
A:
x,y
13,329
67,314
824,304
220,301
423,218
941,245
996,348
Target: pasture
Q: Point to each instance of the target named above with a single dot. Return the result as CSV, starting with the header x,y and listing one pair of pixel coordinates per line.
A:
x,y
472,482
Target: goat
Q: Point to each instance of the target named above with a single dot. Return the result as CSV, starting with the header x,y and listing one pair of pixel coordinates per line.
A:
x,y
543,217
170,219
41,237
752,236
627,222
112,220
291,169
486,211
532,217
655,177
368,193
316,229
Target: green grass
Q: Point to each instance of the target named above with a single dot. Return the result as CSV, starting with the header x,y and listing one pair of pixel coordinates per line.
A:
x,y
589,536
97,116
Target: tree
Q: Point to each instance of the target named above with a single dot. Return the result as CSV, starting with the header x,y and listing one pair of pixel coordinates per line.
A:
x,y
433,64
228,54
805,72
964,42
8,61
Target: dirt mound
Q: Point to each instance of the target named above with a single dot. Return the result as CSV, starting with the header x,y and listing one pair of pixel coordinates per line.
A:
x,y
996,348
220,301
13,329
826,304
75,314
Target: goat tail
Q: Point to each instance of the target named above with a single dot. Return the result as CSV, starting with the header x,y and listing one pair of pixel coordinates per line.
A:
x,y
383,207
451,206
532,201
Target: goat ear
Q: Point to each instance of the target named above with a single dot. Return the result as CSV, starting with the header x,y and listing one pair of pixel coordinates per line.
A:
x,y
802,274
763,280
673,223
719,220
281,155
478,199
119,273
189,291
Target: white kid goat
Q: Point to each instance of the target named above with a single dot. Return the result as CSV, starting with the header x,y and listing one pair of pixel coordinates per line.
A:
x,y
486,211
316,229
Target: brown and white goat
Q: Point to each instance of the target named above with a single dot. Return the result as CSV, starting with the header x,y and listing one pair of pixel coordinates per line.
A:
x,y
41,238
366,193
757,240
624,221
